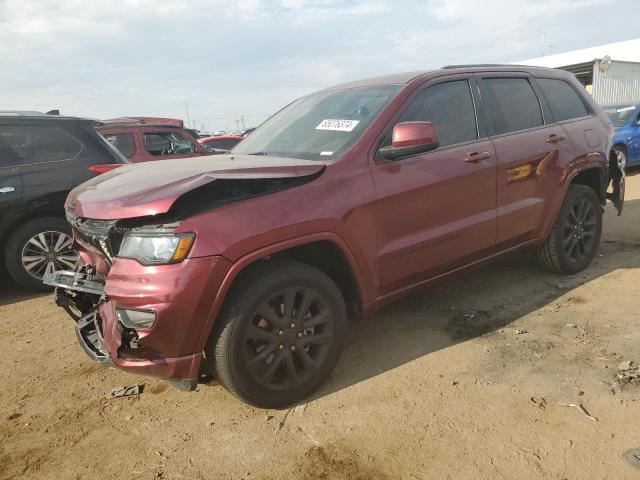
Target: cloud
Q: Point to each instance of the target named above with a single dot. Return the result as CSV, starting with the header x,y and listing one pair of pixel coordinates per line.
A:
x,y
503,11
497,31
250,57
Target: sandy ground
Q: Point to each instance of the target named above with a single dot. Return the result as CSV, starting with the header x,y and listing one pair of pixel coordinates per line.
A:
x,y
437,386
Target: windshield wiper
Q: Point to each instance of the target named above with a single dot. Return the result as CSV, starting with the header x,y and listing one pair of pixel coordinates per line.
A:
x,y
259,153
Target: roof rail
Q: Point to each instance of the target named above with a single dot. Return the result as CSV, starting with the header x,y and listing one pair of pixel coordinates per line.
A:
x,y
472,65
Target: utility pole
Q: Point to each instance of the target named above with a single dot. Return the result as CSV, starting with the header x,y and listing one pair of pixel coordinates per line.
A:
x,y
186,107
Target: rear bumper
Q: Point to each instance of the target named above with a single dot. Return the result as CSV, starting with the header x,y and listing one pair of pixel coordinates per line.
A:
x,y
181,296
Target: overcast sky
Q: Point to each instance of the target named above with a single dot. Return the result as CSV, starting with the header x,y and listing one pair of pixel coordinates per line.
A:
x,y
250,57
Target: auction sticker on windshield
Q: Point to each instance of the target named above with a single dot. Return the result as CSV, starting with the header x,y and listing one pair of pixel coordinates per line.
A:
x,y
338,125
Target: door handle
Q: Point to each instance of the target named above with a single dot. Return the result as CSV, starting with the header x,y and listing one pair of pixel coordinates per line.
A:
x,y
475,157
553,138
7,189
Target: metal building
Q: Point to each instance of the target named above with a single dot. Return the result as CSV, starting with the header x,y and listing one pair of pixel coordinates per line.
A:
x,y
610,73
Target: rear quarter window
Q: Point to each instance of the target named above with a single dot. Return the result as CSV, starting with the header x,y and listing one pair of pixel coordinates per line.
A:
x,y
513,104
123,142
39,144
563,100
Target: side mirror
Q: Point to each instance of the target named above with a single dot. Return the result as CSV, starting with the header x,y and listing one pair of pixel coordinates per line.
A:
x,y
411,138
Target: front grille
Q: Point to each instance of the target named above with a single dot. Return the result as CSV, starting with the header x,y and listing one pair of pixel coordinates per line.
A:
x,y
99,234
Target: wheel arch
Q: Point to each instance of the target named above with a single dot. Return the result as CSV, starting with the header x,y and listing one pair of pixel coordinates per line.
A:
x,y
594,177
622,146
325,251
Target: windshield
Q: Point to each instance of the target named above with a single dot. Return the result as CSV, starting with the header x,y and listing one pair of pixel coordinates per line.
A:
x,y
619,116
320,126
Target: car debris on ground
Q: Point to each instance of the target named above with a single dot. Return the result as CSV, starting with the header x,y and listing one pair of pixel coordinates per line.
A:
x,y
125,391
580,408
633,457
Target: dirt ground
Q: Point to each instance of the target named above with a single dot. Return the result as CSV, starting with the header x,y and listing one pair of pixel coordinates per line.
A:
x,y
465,380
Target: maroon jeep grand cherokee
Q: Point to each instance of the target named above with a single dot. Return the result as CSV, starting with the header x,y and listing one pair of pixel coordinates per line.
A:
x,y
248,265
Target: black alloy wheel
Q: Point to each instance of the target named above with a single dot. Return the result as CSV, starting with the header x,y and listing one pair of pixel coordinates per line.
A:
x,y
279,334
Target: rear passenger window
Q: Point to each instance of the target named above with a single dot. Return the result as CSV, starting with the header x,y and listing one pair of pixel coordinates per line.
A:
x,y
450,107
513,105
39,144
563,100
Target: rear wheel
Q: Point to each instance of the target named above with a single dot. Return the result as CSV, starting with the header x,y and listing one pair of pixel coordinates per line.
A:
x,y
575,236
621,157
279,335
38,245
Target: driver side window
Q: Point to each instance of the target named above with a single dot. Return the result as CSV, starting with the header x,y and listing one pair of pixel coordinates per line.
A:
x,y
449,106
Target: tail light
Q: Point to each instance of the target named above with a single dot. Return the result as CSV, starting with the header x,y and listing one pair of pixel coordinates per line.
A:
x,y
104,168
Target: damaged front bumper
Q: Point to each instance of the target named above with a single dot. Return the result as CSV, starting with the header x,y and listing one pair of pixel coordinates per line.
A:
x,y
180,295
79,293
90,339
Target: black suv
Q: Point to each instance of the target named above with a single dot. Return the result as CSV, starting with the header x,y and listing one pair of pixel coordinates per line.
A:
x,y
42,157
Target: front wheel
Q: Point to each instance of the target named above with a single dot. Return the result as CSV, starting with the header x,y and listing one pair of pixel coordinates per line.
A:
x,y
575,236
279,335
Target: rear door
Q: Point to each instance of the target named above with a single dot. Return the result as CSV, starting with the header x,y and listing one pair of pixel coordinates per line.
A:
x,y
10,184
436,210
530,152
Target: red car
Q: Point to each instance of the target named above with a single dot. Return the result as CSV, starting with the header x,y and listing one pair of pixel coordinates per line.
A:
x,y
220,143
248,265
143,139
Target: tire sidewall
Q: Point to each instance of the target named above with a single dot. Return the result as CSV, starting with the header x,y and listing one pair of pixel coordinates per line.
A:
x,y
243,313
576,193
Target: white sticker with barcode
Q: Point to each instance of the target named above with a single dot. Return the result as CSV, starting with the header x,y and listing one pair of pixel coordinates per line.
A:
x,y
338,125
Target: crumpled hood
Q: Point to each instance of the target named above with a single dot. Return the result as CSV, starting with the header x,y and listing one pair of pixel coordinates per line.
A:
x,y
151,188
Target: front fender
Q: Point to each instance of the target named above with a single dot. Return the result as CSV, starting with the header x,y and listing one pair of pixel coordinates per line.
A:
x,y
246,260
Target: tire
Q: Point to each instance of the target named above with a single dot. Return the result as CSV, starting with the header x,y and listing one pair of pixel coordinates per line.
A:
x,y
19,248
276,341
621,156
573,243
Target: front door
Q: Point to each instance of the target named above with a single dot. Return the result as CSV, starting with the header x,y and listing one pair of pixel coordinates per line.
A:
x,y
436,210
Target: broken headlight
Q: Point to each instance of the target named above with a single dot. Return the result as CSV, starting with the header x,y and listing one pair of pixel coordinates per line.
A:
x,y
156,249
